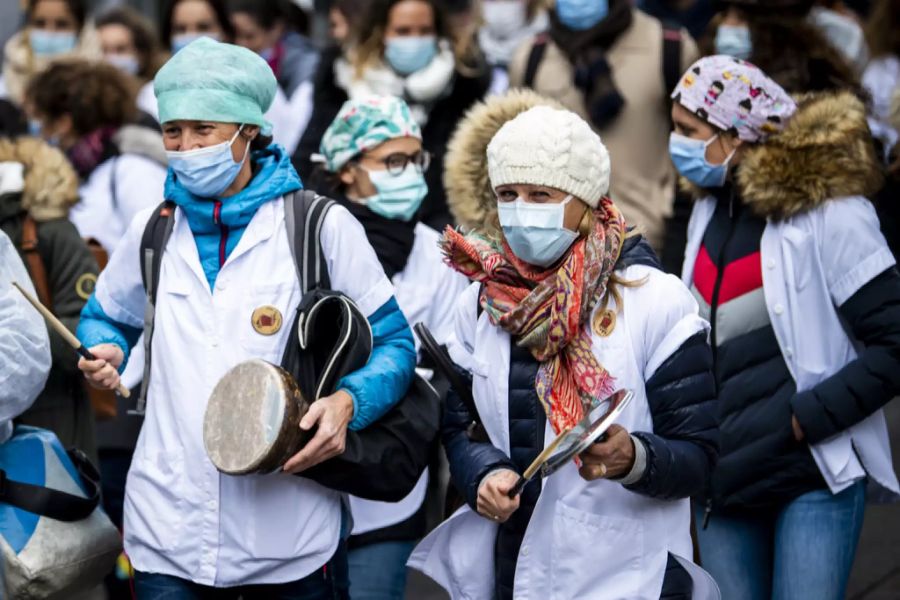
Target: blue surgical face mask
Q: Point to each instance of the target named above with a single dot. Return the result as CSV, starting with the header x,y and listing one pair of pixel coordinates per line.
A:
x,y
734,40
579,15
51,43
689,157
398,196
411,53
127,63
179,41
207,172
535,232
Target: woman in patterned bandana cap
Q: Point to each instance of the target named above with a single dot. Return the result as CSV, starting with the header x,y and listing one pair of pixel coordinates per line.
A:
x,y
373,164
787,262
565,308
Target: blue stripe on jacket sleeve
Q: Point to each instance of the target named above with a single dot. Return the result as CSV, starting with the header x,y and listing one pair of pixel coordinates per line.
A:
x,y
96,327
386,378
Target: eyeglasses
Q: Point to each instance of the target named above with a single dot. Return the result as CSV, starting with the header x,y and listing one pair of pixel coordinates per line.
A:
x,y
396,163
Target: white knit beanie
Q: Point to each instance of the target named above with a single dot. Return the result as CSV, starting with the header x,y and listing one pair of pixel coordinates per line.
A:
x,y
551,147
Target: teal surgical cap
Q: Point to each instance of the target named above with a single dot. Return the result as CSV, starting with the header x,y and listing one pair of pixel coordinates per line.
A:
x,y
212,81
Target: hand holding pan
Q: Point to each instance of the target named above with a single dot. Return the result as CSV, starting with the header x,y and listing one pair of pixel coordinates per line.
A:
x,y
576,440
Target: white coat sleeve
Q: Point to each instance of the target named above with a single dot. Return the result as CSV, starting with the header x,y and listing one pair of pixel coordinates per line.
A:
x,y
139,185
852,249
461,344
669,313
24,343
443,305
352,264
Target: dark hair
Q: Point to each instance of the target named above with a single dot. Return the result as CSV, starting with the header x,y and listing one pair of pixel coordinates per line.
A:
x,y
143,33
883,28
352,10
94,94
78,8
267,14
791,51
261,142
217,6
369,33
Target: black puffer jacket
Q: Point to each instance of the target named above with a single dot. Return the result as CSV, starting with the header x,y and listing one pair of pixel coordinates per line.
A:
x,y
681,451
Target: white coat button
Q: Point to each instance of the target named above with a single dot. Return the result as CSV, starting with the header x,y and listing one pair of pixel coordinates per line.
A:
x,y
211,505
788,353
524,550
221,283
779,309
770,264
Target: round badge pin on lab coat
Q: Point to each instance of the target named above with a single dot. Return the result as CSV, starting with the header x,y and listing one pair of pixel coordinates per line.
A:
x,y
266,320
604,323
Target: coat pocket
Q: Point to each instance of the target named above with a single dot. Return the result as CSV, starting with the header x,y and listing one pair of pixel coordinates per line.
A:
x,y
595,556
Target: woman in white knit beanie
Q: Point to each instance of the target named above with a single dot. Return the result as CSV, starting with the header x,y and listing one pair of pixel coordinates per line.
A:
x,y
566,308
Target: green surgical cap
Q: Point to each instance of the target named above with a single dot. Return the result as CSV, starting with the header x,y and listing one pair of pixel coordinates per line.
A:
x,y
363,124
212,81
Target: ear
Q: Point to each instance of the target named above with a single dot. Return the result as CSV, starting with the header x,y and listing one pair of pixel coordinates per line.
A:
x,y
347,175
64,125
250,132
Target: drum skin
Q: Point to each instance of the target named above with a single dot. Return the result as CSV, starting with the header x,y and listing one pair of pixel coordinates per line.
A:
x,y
252,421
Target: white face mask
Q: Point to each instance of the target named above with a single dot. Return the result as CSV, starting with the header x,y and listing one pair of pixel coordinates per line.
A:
x,y
535,232
504,19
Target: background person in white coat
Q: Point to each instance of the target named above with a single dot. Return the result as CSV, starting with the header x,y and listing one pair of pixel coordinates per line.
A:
x,y
24,344
374,165
786,259
189,530
566,308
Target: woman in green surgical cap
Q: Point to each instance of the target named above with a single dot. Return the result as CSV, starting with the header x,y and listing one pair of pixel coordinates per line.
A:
x,y
189,529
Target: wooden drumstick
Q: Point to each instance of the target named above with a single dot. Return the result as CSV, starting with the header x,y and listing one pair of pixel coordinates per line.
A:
x,y
67,335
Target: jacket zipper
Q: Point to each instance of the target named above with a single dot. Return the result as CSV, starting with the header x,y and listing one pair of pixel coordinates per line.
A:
x,y
713,310
223,231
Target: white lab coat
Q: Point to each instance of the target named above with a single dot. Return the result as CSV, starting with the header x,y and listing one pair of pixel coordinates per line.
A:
x,y
812,263
182,517
116,191
24,345
585,540
426,290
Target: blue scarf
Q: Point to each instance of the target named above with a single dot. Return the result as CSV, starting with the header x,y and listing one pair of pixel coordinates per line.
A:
x,y
275,177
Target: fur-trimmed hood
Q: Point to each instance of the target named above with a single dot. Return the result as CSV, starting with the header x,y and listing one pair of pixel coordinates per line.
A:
x,y
469,194
50,185
824,152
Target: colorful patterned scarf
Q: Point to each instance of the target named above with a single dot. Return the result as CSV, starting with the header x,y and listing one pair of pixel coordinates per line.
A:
x,y
546,310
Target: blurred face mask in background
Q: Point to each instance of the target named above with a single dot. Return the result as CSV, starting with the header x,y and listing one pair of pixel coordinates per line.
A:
x,y
181,40
398,196
503,19
734,40
580,15
51,43
127,63
409,54
535,232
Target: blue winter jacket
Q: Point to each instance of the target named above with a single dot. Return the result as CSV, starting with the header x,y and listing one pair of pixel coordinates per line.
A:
x,y
217,227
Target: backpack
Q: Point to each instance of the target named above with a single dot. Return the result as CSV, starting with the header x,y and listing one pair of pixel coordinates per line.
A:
x,y
381,462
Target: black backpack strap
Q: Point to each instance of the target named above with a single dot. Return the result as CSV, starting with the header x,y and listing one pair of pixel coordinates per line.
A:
x,y
671,56
153,244
304,214
52,503
538,49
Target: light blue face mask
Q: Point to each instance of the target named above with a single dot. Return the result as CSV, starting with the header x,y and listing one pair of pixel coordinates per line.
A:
x,y
398,196
181,40
734,40
51,43
689,157
207,172
535,232
580,15
410,53
127,63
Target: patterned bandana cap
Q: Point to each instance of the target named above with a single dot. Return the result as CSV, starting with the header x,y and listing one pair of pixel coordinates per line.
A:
x,y
363,124
735,96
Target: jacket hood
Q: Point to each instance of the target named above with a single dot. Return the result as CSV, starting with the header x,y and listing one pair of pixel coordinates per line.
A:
x,y
50,185
824,152
470,196
142,141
